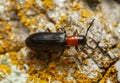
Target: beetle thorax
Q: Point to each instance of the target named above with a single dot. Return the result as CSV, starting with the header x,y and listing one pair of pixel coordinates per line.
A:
x,y
82,39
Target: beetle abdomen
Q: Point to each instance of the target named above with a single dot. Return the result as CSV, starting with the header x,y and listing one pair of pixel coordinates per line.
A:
x,y
45,41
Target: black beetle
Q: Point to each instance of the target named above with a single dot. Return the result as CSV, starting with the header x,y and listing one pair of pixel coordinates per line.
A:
x,y
50,41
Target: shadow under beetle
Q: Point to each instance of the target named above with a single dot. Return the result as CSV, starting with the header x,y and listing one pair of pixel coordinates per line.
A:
x,y
44,41
93,3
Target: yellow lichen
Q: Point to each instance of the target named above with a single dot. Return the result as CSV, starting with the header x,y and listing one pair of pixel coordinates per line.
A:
x,y
53,65
1,36
118,46
85,13
76,6
115,24
5,69
23,19
82,19
110,74
28,21
108,30
2,50
85,62
105,42
29,3
63,18
13,57
103,20
8,26
48,4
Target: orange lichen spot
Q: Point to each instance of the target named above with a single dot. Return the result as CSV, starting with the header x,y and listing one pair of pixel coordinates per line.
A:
x,y
85,62
30,21
66,53
118,54
81,78
103,81
6,45
42,81
13,57
8,26
69,28
108,30
106,65
105,42
110,74
52,71
48,4
20,67
82,19
21,56
13,2
2,50
1,36
21,62
2,55
76,53
63,18
98,77
58,25
103,20
32,70
82,55
23,19
51,66
84,81
30,3
20,13
9,9
86,14
5,69
45,76
115,24
118,46
76,6
68,61
18,7
27,21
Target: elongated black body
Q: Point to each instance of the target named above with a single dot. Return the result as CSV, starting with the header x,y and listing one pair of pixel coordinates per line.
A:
x,y
46,41
54,40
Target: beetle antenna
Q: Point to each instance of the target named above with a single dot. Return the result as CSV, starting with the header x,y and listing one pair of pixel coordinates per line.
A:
x,y
89,27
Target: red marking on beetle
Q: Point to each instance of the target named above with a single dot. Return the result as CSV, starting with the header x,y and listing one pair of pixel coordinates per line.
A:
x,y
72,40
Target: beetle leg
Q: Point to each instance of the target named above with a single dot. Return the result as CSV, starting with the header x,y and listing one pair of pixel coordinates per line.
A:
x,y
89,46
50,60
96,43
59,54
76,48
75,32
47,63
62,29
48,30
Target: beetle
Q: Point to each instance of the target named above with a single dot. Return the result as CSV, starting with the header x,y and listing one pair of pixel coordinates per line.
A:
x,y
45,41
50,41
